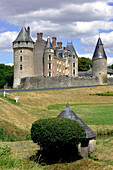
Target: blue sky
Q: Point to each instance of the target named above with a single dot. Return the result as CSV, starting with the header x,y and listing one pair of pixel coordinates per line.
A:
x,y
81,22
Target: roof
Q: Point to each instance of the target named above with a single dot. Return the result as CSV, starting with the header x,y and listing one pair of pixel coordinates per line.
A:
x,y
23,36
109,71
98,53
68,113
85,73
49,44
70,48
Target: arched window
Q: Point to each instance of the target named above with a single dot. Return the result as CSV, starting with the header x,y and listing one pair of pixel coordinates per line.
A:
x,y
21,58
49,57
49,73
20,66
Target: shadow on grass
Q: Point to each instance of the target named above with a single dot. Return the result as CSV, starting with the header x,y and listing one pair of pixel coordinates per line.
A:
x,y
48,157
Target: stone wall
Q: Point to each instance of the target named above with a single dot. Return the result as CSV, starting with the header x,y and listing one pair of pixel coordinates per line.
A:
x,y
54,82
110,80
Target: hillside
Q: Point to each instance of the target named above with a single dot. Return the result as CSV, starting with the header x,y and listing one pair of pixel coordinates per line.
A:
x,y
18,118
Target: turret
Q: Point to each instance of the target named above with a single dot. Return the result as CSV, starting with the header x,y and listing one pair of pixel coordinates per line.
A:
x,y
48,58
23,56
100,63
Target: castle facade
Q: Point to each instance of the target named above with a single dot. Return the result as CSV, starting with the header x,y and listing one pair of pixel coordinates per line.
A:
x,y
42,58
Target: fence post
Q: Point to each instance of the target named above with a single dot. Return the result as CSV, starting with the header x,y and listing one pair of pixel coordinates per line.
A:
x,y
4,93
16,98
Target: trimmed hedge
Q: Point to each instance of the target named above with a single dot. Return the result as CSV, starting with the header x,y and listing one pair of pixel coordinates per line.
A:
x,y
57,133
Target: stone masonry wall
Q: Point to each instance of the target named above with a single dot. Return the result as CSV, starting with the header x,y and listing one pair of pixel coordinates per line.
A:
x,y
54,82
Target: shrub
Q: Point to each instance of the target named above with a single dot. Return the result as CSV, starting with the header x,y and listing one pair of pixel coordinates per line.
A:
x,y
57,132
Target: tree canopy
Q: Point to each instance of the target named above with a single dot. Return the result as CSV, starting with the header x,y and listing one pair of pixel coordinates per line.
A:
x,y
84,64
111,67
6,75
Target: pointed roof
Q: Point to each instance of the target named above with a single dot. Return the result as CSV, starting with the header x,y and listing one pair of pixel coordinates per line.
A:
x,y
23,36
49,44
68,113
98,53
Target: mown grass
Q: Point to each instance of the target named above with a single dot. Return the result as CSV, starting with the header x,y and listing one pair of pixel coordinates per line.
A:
x,y
94,110
16,155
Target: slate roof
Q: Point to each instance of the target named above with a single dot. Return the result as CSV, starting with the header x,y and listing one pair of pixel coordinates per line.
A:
x,y
23,36
85,73
109,71
49,44
97,53
68,113
70,48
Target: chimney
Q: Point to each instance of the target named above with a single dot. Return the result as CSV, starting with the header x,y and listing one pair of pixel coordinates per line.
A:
x,y
28,30
64,48
54,41
41,35
59,44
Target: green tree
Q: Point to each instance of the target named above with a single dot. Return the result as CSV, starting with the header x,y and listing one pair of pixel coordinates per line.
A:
x,y
6,75
111,67
84,64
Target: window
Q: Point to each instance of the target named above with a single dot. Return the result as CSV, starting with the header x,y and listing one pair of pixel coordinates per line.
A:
x,y
73,64
74,71
18,42
26,42
49,73
20,66
49,57
21,51
49,66
21,58
73,56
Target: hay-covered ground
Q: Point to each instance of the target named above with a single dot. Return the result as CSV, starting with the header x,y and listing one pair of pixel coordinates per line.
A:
x,y
95,111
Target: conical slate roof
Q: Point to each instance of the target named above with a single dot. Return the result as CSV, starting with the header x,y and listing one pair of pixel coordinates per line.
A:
x,y
99,53
23,36
48,44
68,113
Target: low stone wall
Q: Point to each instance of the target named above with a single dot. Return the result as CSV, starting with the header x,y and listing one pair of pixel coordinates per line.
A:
x,y
54,82
110,80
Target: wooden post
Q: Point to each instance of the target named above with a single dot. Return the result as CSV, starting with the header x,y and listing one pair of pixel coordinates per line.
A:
x,y
4,93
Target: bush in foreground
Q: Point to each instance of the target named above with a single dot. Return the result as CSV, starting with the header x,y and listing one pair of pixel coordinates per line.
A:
x,y
57,136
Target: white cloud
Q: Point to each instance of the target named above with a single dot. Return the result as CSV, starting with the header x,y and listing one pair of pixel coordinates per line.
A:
x,y
64,19
107,40
6,40
86,55
9,64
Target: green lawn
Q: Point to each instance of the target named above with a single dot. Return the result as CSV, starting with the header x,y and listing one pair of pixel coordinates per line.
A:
x,y
91,114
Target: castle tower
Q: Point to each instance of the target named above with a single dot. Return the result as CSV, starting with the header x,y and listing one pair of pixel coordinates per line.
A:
x,y
38,55
23,56
99,60
48,58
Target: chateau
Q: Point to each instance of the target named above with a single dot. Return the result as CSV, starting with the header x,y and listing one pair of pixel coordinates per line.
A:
x,y
42,58
46,64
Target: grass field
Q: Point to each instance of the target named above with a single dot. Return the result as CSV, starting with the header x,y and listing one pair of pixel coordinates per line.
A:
x,y
96,111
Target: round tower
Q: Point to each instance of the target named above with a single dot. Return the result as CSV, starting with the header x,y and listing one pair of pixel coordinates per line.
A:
x,y
99,62
48,58
23,56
